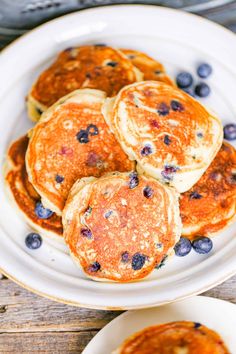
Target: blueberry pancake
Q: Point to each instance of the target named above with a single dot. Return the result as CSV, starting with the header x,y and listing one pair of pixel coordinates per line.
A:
x,y
93,66
120,226
71,141
170,134
151,69
23,193
180,337
210,204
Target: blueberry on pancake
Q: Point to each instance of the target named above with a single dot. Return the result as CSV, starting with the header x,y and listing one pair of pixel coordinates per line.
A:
x,y
210,204
25,197
120,226
91,66
181,337
151,69
71,141
170,134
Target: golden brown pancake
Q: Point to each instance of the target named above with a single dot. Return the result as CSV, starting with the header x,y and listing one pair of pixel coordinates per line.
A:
x,y
174,338
93,66
119,227
210,204
151,69
71,141
170,134
24,194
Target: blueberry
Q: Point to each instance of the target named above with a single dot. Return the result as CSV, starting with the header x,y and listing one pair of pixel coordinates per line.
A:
x,y
112,64
157,72
86,233
133,180
33,241
189,91
108,214
41,212
146,150
195,195
183,247
176,106
82,136
230,131
202,89
204,70
59,179
168,172
147,192
94,267
184,79
92,129
163,109
202,245
200,135
138,261
167,140
197,324
125,257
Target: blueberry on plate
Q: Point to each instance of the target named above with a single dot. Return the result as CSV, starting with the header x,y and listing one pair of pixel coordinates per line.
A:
x,y
202,245
230,131
33,241
189,91
41,212
184,79
183,247
204,70
202,89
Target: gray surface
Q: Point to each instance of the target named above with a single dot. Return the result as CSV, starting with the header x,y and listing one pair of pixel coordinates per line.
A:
x,y
16,17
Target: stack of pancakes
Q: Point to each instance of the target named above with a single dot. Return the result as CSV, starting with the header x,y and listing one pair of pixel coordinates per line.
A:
x,y
114,145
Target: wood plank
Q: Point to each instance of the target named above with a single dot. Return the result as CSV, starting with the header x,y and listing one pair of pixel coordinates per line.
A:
x,y
23,311
47,342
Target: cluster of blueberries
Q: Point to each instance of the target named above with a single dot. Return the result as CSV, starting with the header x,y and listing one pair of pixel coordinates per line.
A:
x,y
201,244
184,81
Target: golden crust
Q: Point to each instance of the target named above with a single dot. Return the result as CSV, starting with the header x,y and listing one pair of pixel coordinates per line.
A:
x,y
174,337
210,204
118,233
151,69
23,193
71,141
94,66
171,135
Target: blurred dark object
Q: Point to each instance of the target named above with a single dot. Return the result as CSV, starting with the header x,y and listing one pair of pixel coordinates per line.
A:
x,y
17,17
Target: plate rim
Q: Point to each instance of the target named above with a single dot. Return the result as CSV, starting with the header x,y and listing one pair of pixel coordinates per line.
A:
x,y
126,313
76,303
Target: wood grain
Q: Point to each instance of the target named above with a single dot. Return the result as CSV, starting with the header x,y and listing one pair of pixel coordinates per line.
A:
x,y
49,342
32,324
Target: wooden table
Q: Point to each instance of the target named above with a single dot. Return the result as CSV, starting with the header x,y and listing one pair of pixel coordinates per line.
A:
x,y
31,324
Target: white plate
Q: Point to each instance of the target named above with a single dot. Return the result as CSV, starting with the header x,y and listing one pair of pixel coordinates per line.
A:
x,y
180,41
216,314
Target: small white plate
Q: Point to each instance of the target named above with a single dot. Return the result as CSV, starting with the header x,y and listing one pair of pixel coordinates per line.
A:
x,y
180,41
218,315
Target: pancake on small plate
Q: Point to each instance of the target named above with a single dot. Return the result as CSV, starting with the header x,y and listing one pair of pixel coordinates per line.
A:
x,y
93,66
151,69
23,193
120,226
210,204
71,141
170,134
180,337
